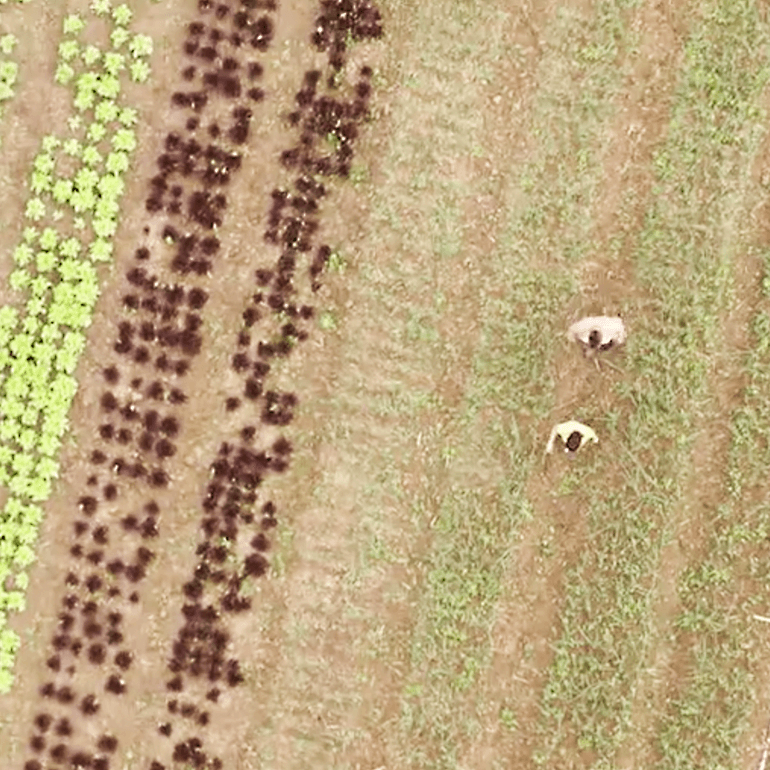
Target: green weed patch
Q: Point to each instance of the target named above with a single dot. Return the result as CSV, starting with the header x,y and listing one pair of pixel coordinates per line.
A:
x,y
684,263
705,723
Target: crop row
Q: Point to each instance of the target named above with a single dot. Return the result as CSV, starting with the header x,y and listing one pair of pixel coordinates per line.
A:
x,y
9,70
227,561
140,416
76,184
114,564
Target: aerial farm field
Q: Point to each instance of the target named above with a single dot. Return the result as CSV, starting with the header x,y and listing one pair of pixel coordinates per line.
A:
x,y
284,287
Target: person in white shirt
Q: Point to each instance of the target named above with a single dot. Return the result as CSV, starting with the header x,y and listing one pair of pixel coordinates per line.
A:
x,y
598,334
573,435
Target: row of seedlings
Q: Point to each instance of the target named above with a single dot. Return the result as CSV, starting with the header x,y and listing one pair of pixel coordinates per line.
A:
x,y
157,337
228,558
76,185
9,69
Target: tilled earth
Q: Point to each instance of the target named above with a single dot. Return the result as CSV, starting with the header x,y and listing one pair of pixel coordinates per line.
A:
x,y
284,382
161,528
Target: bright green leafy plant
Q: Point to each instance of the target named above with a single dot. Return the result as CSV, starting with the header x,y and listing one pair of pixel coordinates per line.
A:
x,y
40,350
73,24
140,45
7,44
140,71
68,50
119,36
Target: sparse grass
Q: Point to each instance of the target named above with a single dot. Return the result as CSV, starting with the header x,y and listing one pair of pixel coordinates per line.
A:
x,y
684,263
483,503
709,717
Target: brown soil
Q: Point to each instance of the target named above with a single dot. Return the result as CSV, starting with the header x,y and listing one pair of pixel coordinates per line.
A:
x,y
325,649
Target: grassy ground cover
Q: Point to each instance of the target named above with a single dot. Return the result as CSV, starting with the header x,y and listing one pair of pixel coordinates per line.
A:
x,y
525,282
683,264
717,630
724,595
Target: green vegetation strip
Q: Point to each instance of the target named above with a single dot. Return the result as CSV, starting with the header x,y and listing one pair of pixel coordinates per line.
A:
x,y
8,68
76,185
684,260
703,725
475,528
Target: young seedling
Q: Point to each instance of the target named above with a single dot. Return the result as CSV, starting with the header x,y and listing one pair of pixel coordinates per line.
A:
x,y
73,24
100,7
118,37
68,50
7,44
140,45
140,71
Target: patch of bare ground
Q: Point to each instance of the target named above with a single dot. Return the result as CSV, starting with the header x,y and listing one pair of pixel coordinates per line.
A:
x,y
527,621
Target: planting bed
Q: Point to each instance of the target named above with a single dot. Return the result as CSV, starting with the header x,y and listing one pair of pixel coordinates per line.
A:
x,y
284,287
116,523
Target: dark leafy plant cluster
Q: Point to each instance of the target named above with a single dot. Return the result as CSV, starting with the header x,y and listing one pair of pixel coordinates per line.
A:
x,y
229,559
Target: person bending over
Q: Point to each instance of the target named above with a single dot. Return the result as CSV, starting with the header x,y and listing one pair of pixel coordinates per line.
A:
x,y
597,334
573,435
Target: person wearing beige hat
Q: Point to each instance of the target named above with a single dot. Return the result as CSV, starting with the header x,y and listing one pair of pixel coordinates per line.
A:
x,y
597,334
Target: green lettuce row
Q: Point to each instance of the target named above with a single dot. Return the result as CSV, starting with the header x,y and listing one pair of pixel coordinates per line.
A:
x,y
9,70
72,220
